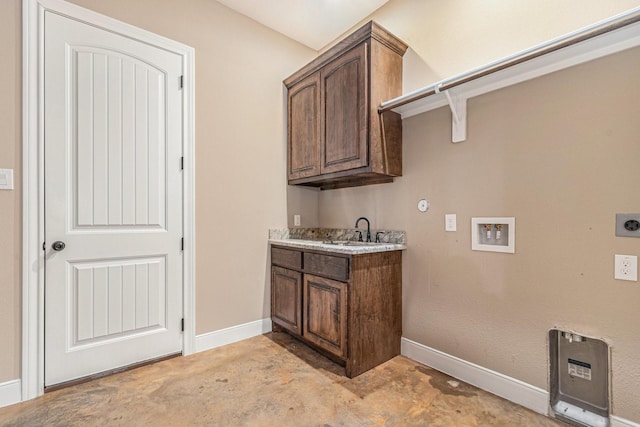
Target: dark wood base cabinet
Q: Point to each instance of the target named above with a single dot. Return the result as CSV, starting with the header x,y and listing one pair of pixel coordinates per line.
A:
x,y
349,307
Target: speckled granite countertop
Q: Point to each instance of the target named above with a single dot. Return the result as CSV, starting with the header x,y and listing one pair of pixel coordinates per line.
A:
x,y
344,241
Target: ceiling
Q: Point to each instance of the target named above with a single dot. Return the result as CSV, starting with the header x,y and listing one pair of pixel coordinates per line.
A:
x,y
314,23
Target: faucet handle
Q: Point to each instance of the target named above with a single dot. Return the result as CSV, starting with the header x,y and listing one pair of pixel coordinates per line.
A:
x,y
359,235
378,236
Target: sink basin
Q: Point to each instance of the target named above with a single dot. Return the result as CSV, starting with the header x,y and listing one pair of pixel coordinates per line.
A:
x,y
348,243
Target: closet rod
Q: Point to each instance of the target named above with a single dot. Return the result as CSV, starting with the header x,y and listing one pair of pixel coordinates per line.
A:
x,y
614,23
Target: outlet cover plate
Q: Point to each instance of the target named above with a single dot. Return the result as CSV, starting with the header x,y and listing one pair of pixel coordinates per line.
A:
x,y
6,179
627,225
626,268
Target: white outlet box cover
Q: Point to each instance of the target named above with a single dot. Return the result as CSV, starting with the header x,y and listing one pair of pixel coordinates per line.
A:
x,y
509,224
626,267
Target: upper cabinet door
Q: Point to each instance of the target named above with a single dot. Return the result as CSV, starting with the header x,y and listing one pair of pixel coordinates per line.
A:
x,y
304,128
344,120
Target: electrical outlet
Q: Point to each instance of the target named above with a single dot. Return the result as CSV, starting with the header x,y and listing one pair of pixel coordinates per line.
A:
x,y
626,267
628,225
296,220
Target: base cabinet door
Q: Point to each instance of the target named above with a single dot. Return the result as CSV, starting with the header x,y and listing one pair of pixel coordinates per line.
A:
x,y
325,314
286,293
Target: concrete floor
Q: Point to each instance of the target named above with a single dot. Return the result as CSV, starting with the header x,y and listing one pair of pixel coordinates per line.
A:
x,y
270,380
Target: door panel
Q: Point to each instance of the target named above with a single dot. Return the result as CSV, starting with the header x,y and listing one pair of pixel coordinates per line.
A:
x,y
116,298
119,105
113,194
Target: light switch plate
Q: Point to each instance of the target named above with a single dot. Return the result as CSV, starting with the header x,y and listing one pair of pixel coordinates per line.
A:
x,y
450,222
626,268
6,179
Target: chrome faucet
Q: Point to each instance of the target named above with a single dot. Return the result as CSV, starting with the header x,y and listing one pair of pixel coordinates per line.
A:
x,y
368,228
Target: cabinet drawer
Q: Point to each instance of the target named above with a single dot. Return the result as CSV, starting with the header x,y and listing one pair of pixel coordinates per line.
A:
x,y
327,266
286,258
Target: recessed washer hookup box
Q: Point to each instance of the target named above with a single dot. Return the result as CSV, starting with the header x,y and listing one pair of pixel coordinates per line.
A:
x,y
579,378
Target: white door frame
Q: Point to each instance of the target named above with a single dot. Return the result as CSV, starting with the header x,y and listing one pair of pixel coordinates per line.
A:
x,y
33,177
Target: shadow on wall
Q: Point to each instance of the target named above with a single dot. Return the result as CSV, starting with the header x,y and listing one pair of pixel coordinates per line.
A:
x,y
266,299
416,73
302,201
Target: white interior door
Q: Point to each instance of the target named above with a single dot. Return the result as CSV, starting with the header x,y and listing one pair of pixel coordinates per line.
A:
x,y
113,196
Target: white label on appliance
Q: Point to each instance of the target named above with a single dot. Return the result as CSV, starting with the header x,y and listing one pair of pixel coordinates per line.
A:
x,y
580,369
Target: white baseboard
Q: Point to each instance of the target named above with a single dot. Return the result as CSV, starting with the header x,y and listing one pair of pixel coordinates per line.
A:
x,y
514,390
233,334
10,393
621,422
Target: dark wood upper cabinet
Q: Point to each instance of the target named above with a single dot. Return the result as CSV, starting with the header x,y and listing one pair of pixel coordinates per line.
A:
x,y
336,138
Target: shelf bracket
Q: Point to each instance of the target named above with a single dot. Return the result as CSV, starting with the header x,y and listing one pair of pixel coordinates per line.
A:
x,y
458,106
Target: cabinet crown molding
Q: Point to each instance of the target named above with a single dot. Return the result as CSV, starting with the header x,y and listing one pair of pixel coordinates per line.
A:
x,y
370,30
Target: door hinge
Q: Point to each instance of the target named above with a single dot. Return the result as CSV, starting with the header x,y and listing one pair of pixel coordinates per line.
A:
x,y
182,244
182,163
44,246
182,324
181,82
